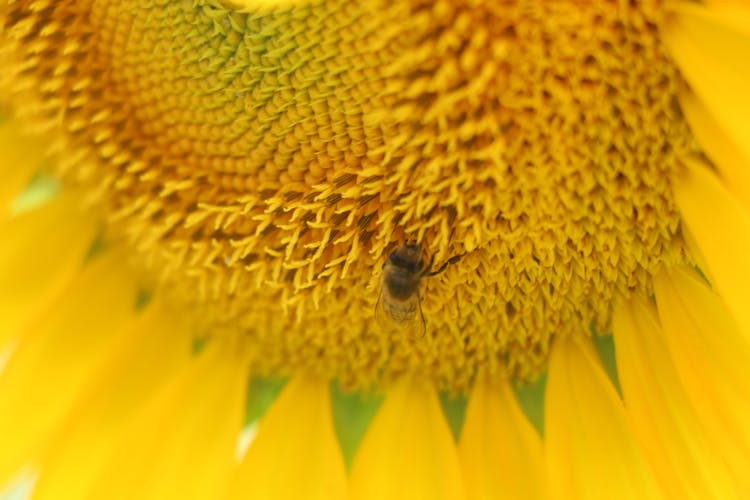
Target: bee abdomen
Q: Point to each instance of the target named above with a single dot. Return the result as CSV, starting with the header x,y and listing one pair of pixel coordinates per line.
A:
x,y
402,285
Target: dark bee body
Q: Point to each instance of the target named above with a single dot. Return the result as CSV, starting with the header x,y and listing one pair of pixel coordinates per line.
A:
x,y
403,271
399,300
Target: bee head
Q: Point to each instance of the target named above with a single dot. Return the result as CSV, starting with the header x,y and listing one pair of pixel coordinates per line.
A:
x,y
407,257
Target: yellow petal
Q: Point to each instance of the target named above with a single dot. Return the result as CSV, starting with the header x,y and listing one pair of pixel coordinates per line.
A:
x,y
500,451
41,252
408,451
155,346
590,451
295,454
732,162
685,460
255,5
695,254
182,445
20,156
720,227
711,46
711,356
57,355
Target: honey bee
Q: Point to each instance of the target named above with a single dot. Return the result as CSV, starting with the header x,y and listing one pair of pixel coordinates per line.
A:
x,y
399,303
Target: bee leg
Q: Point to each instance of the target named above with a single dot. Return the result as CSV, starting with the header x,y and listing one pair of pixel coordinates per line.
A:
x,y
376,312
458,306
427,269
423,329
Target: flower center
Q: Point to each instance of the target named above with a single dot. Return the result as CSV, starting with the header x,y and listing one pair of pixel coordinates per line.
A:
x,y
268,165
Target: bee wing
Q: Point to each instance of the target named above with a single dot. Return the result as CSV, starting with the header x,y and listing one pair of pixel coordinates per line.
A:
x,y
385,315
414,325
381,318
405,316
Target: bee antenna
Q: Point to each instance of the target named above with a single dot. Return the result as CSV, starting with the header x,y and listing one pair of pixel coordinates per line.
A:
x,y
447,263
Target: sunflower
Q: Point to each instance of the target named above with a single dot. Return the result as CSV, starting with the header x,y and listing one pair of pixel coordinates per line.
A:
x,y
200,203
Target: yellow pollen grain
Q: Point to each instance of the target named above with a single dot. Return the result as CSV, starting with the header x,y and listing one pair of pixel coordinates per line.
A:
x,y
264,163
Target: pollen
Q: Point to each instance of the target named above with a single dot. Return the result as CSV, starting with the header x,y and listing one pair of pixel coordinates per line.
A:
x,y
263,165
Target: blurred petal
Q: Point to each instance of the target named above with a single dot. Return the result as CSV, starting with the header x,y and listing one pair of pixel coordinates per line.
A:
x,y
20,157
295,454
42,250
500,451
711,356
182,445
711,45
720,227
408,451
685,460
57,356
732,162
591,453
156,345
